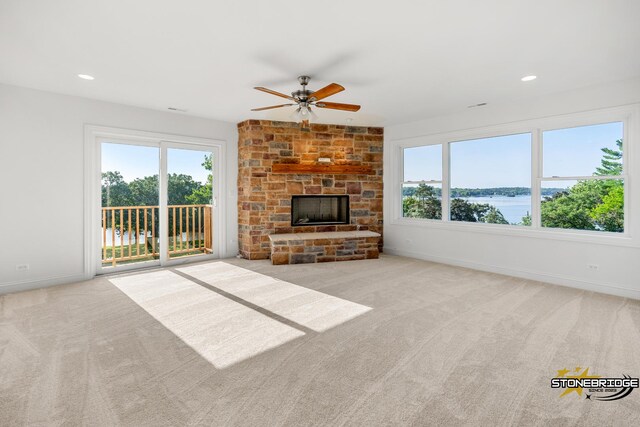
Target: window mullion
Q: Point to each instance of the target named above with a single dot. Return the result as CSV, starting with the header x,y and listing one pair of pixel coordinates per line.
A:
x,y
582,178
445,181
536,174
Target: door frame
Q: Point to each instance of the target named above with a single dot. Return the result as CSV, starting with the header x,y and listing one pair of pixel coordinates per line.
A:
x,y
94,136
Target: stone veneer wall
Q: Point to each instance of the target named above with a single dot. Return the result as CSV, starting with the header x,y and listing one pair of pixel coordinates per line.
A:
x,y
264,197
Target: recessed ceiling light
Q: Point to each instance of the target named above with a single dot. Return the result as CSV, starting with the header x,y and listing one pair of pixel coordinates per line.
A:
x,y
528,78
86,76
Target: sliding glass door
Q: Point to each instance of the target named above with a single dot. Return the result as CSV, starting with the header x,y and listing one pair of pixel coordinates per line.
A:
x,y
157,203
190,202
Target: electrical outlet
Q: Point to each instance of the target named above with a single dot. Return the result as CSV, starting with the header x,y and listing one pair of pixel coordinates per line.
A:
x,y
592,266
22,267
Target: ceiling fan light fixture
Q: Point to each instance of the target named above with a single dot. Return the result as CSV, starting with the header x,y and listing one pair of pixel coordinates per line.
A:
x,y
313,115
304,115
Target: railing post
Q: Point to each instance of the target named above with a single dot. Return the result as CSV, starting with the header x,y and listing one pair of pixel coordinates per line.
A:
x,y
129,234
137,231
207,229
113,238
121,232
174,228
104,234
153,231
146,252
180,210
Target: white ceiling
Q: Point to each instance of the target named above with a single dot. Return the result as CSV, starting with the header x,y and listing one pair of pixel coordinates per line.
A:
x,y
401,60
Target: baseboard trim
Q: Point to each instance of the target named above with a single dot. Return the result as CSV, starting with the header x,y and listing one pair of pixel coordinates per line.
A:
x,y
609,289
7,288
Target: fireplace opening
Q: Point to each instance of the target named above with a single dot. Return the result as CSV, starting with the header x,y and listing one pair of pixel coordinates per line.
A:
x,y
319,210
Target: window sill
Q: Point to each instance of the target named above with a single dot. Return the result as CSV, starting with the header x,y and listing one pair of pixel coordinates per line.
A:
x,y
580,236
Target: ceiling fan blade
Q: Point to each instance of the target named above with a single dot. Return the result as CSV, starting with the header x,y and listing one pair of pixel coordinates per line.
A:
x,y
330,89
273,92
273,106
338,106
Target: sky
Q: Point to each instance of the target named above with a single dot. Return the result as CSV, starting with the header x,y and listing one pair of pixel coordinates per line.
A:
x,y
505,161
134,161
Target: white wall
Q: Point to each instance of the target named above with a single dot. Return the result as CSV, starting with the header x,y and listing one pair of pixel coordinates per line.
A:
x,y
42,178
532,256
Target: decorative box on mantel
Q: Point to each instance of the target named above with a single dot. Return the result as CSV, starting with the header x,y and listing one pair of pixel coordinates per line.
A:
x,y
278,160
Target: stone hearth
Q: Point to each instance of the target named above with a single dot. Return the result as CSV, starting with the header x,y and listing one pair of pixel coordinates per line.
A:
x,y
306,248
264,196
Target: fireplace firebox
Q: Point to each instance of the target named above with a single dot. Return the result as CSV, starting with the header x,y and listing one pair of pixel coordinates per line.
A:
x,y
319,210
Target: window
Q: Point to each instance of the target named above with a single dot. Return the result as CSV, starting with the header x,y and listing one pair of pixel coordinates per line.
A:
x,y
582,180
422,182
529,176
491,180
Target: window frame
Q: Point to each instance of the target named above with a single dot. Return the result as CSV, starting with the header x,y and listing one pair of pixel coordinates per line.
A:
x,y
628,115
487,137
441,182
623,177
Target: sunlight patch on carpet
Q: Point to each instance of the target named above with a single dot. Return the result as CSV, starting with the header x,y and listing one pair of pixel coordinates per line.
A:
x,y
312,309
222,331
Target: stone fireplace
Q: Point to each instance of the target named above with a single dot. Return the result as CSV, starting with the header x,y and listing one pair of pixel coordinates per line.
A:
x,y
279,171
319,210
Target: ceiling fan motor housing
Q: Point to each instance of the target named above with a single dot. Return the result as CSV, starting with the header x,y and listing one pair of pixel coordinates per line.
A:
x,y
303,94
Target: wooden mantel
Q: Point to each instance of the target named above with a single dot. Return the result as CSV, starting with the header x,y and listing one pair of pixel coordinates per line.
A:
x,y
322,169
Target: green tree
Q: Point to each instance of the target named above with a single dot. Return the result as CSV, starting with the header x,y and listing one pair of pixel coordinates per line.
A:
x,y
494,216
570,209
181,187
427,204
461,210
611,163
590,204
203,195
144,191
609,215
423,203
115,191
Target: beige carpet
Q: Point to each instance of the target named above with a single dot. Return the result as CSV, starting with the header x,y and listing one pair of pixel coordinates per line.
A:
x,y
218,329
393,341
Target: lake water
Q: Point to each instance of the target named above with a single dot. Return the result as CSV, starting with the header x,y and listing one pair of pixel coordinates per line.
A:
x,y
512,208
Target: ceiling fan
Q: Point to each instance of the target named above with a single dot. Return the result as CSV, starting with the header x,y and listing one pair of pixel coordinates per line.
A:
x,y
305,99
